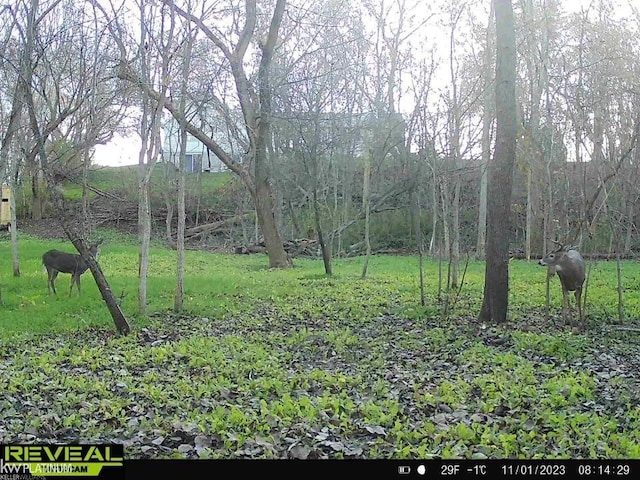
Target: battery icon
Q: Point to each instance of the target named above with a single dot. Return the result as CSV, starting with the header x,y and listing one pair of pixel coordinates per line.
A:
x,y
404,469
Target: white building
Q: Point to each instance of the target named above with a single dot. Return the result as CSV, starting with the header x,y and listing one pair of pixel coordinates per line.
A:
x,y
198,158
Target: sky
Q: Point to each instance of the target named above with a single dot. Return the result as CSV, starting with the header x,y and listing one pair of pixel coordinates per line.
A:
x,y
118,152
124,150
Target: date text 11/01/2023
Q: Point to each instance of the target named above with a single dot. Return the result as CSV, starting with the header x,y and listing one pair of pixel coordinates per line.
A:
x,y
522,469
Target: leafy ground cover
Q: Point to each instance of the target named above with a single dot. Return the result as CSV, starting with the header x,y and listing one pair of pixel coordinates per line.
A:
x,y
291,364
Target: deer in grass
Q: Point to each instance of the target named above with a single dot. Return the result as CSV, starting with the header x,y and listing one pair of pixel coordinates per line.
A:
x,y
567,262
56,262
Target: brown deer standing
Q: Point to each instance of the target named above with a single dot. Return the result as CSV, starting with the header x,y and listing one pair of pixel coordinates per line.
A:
x,y
567,262
56,262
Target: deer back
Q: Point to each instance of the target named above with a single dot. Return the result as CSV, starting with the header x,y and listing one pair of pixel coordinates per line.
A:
x,y
64,262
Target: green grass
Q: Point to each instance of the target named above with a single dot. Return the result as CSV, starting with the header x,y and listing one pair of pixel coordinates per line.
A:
x,y
124,180
216,283
289,363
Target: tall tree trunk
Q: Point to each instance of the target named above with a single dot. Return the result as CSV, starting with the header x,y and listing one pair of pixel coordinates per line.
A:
x,y
529,216
487,121
366,204
150,136
13,125
37,193
86,213
445,203
15,256
629,224
264,189
434,212
454,156
549,214
325,248
455,226
179,295
482,209
144,234
168,220
496,285
417,227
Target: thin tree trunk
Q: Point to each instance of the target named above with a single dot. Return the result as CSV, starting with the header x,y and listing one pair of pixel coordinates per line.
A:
x,y
366,207
482,211
629,224
434,212
86,214
37,201
537,81
144,234
455,247
179,295
326,249
15,256
529,218
444,202
549,223
144,214
487,120
417,227
150,136
14,121
620,289
180,252
454,156
169,220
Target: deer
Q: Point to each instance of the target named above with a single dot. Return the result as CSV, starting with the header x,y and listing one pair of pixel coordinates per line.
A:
x,y
56,261
567,262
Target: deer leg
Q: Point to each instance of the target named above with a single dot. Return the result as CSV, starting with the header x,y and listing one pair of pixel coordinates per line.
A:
x,y
52,278
565,307
75,278
578,295
49,281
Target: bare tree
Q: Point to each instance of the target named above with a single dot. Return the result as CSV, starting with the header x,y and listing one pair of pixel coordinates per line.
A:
x,y
62,85
186,62
255,103
496,283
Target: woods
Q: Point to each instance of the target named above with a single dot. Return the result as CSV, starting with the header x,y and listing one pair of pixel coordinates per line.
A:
x,y
333,131
324,176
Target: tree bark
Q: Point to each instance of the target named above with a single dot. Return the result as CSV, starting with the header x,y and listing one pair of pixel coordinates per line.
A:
x,y
417,226
12,127
40,135
264,192
487,120
178,298
366,193
496,286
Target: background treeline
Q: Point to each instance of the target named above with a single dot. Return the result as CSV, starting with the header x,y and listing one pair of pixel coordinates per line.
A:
x,y
372,121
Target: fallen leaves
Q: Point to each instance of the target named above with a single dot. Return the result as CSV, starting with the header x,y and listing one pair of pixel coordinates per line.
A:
x,y
302,382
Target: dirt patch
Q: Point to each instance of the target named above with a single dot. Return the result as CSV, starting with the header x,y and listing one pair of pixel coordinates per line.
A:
x,y
48,228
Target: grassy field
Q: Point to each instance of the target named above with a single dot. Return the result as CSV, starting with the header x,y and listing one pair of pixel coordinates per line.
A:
x,y
291,364
125,179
